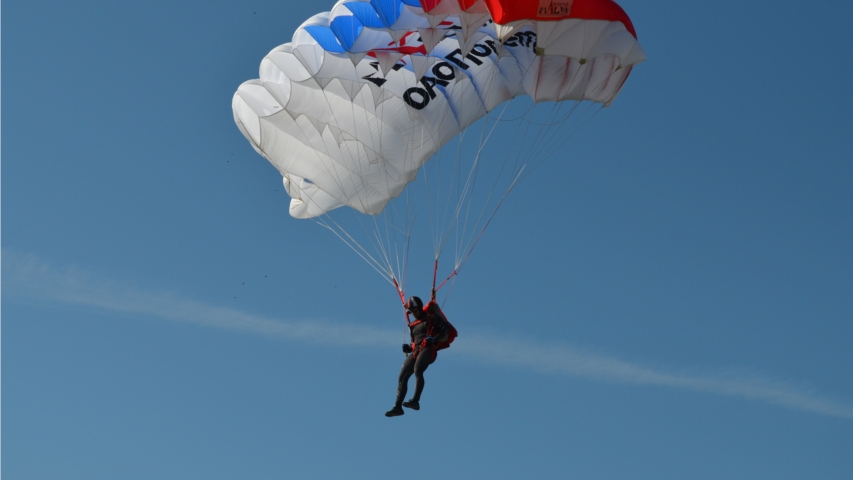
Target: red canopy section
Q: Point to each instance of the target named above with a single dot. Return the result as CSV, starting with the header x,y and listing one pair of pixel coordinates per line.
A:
x,y
507,11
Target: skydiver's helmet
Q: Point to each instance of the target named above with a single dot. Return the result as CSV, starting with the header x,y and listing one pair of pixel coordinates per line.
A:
x,y
414,303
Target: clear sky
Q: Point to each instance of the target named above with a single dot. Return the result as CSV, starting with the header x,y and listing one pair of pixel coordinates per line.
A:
x,y
668,297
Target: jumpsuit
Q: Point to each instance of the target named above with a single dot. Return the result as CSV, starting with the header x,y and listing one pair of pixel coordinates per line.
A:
x,y
422,357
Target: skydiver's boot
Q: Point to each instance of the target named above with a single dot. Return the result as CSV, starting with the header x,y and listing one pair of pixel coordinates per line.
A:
x,y
395,412
413,404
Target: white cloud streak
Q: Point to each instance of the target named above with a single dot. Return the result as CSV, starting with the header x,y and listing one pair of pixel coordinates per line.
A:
x,y
575,362
28,276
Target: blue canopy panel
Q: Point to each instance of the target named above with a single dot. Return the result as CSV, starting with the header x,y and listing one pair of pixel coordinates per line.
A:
x,y
389,10
365,14
326,38
346,29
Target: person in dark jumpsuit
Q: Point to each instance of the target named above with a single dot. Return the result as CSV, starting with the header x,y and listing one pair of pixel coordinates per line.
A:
x,y
420,355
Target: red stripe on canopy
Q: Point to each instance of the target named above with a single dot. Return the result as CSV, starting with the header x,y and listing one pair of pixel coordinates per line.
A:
x,y
506,11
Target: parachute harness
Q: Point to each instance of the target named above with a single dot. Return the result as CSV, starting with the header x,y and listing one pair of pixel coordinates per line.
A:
x,y
433,292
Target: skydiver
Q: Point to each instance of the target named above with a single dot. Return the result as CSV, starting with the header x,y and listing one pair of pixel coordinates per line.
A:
x,y
430,328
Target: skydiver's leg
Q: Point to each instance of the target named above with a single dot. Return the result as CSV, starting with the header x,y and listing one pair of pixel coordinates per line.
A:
x,y
403,381
424,360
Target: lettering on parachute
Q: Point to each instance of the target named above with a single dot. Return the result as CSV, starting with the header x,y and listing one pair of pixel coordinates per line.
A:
x,y
442,72
554,8
419,97
376,80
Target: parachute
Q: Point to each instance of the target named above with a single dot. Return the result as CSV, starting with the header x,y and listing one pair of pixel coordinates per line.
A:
x,y
366,94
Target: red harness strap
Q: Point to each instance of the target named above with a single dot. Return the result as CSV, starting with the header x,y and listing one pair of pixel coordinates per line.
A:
x,y
429,316
424,344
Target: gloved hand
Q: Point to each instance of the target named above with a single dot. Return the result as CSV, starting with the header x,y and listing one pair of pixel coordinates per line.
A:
x,y
430,340
407,349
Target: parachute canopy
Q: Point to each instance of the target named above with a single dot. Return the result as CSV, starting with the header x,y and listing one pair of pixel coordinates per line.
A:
x,y
363,95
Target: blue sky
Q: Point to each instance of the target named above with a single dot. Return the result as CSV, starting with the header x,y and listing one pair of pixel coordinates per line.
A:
x,y
669,297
